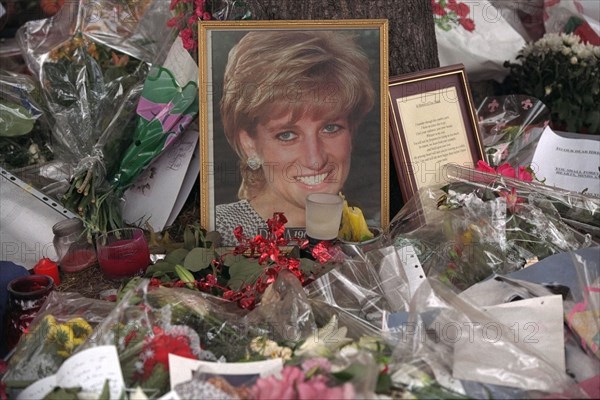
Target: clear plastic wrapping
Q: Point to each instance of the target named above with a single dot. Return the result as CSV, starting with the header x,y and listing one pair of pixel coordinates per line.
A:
x,y
61,325
24,135
480,224
470,352
92,58
510,128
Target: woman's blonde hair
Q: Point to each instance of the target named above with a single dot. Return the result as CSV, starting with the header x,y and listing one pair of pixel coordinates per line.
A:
x,y
272,73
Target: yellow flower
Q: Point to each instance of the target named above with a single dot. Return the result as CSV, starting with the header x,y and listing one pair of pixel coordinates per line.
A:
x,y
64,334
80,327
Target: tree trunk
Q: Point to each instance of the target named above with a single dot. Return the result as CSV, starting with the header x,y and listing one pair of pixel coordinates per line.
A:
x,y
412,43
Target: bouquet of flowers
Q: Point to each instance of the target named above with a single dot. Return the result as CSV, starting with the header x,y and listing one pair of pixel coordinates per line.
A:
x,y
480,224
60,327
187,13
24,138
150,322
242,274
563,73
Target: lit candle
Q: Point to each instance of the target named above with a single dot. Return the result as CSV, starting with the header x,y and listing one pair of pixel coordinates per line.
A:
x,y
48,267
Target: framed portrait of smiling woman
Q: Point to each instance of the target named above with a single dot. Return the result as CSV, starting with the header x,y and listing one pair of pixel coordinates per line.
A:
x,y
290,108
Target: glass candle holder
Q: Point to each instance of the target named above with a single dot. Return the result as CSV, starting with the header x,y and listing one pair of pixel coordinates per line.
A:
x,y
123,253
26,295
323,215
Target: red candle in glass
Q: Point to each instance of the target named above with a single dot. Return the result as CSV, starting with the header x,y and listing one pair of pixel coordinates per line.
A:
x,y
25,297
48,267
123,253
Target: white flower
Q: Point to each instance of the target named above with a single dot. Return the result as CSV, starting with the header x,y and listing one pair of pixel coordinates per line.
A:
x,y
325,340
548,90
566,51
573,60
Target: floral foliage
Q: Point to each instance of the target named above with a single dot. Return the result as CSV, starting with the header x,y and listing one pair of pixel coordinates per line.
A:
x,y
269,255
563,73
187,14
449,13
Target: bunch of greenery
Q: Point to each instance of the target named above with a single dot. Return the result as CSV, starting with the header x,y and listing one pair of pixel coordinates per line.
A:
x,y
564,74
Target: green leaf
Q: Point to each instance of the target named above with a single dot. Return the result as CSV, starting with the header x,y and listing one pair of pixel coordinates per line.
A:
x,y
105,395
176,256
198,259
160,268
189,239
242,270
15,120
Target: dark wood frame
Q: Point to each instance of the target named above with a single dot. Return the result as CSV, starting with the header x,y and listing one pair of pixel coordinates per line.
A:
x,y
437,81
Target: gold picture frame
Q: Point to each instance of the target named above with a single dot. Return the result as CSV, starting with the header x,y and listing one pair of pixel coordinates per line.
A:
x,y
367,184
432,124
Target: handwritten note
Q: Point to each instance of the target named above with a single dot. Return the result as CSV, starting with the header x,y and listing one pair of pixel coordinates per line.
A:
x,y
88,369
181,64
158,194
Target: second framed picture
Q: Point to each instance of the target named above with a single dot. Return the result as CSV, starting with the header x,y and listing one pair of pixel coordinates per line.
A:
x,y
433,124
290,108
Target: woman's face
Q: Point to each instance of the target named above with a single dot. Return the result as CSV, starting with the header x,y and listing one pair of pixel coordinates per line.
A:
x,y
300,157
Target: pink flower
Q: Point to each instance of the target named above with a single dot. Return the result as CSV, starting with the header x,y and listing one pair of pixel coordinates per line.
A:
x,y
272,388
484,167
524,174
320,363
506,170
294,385
512,200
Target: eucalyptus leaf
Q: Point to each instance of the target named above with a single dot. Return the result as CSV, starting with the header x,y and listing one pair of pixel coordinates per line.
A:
x,y
176,256
189,239
160,268
198,259
243,270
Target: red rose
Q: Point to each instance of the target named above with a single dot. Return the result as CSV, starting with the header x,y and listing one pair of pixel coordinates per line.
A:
x,y
438,10
462,10
467,23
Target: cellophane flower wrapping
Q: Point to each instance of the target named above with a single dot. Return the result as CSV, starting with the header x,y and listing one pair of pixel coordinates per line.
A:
x,y
91,59
510,128
60,327
583,313
24,135
362,289
150,322
480,224
435,345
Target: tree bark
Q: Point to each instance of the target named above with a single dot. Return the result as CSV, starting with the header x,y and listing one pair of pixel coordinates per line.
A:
x,y
412,44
